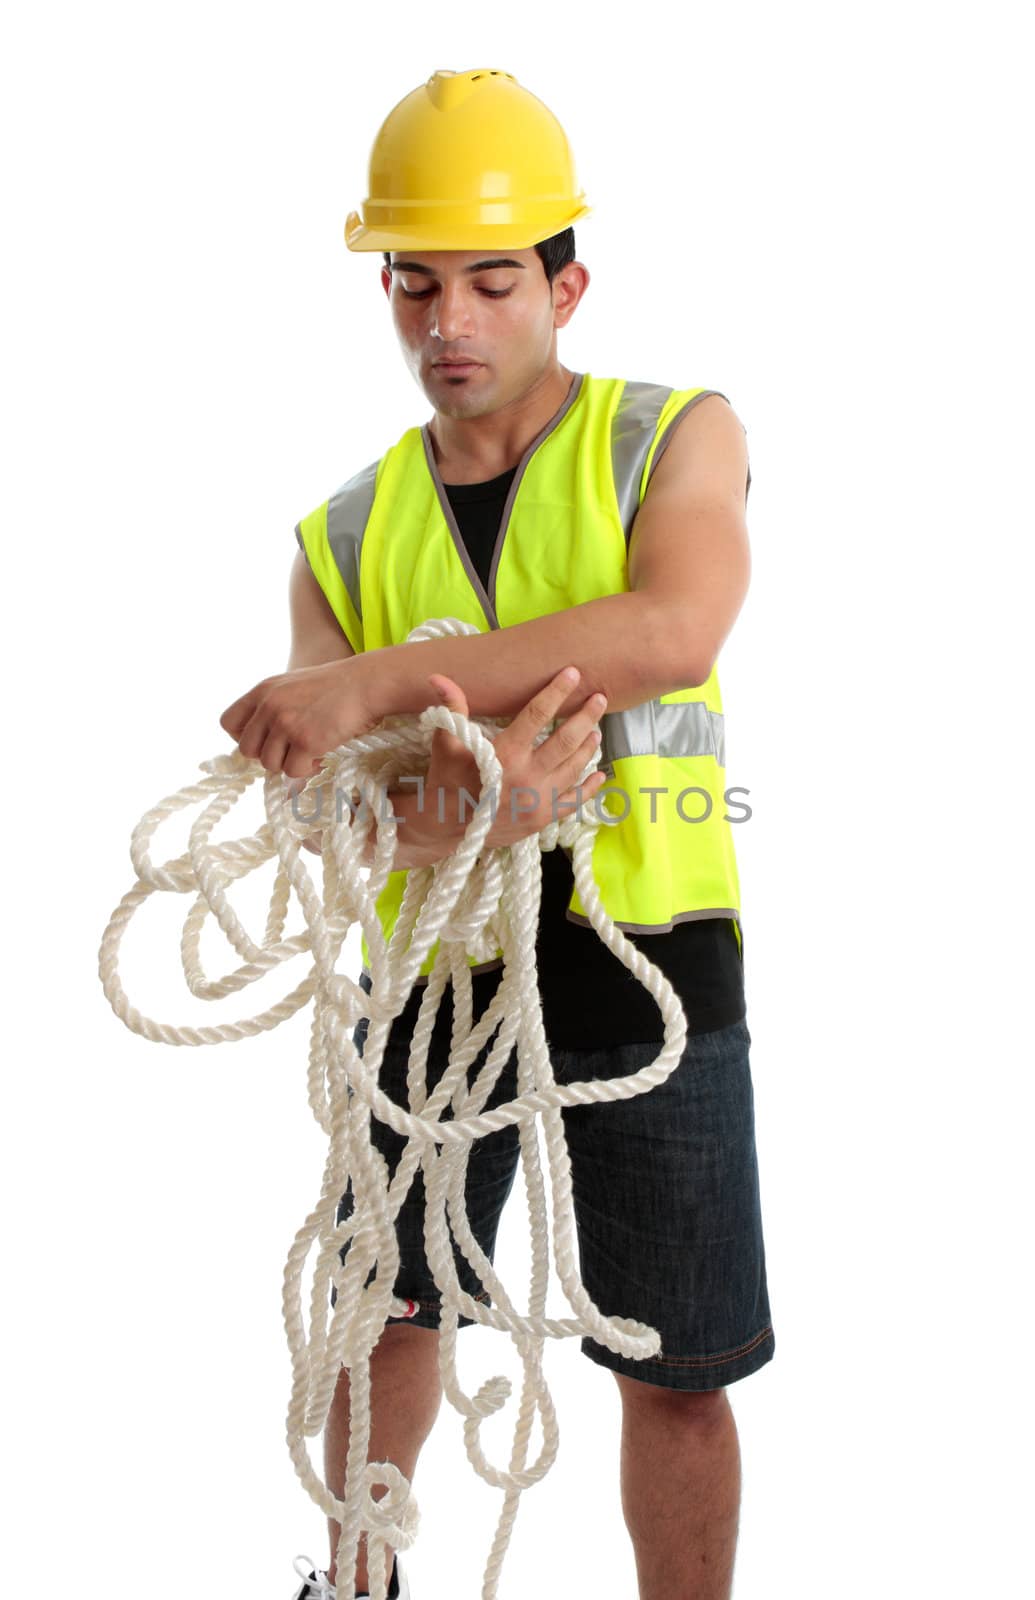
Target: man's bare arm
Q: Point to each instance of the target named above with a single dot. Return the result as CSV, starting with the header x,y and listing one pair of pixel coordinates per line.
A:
x,y
316,634
689,569
316,637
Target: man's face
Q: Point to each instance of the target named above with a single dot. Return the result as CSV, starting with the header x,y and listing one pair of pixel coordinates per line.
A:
x,y
490,308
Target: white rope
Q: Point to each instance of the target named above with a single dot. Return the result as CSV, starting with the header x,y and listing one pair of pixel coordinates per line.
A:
x,y
472,903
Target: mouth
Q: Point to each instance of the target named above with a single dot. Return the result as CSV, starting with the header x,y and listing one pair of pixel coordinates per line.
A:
x,y
457,366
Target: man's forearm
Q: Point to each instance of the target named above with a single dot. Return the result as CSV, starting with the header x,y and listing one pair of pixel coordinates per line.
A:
x,y
631,647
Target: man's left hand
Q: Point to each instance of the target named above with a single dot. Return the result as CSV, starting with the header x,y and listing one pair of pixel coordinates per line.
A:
x,y
290,722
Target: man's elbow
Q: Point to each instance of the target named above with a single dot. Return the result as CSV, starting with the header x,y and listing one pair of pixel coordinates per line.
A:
x,y
694,659
691,657
703,659
701,639
699,670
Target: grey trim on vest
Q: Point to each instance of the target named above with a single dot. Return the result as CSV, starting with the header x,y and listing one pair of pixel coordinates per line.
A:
x,y
642,927
301,545
670,427
454,530
685,728
488,600
348,512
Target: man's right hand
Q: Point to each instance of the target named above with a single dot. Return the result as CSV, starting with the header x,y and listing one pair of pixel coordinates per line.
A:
x,y
538,781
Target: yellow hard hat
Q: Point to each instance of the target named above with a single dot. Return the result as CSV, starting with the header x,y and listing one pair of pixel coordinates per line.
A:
x,y
468,160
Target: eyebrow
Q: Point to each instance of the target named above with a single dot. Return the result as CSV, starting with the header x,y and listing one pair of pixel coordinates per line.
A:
x,y
479,266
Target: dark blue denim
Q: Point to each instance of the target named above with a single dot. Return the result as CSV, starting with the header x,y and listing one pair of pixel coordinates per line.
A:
x,y
666,1196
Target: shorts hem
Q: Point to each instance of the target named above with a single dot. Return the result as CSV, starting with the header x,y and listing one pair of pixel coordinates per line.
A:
x,y
429,1311
689,1372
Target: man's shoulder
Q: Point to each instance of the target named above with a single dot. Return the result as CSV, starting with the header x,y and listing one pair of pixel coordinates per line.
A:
x,y
653,394
359,483
365,480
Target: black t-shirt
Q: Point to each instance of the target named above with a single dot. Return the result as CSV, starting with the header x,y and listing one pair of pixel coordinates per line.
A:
x,y
589,998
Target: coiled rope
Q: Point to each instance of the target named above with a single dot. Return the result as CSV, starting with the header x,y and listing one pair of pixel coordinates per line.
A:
x,y
473,903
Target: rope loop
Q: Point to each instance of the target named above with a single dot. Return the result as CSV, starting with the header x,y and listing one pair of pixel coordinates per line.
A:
x,y
475,904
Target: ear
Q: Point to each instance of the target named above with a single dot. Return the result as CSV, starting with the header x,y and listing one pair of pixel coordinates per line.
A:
x,y
386,280
569,286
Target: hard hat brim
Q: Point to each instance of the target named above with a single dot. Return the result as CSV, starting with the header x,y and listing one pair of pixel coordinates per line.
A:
x,y
472,236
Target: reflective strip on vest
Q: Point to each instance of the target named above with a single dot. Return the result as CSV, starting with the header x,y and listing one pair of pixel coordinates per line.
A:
x,y
348,511
657,729
633,428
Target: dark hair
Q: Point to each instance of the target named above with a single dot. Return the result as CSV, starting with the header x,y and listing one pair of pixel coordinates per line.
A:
x,y
555,253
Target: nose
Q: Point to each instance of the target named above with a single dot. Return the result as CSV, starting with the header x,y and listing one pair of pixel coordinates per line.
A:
x,y
452,318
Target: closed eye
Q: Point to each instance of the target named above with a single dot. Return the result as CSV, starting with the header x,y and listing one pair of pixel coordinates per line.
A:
x,y
422,294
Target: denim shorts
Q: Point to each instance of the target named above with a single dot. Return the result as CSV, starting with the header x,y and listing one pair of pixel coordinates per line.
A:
x,y
666,1200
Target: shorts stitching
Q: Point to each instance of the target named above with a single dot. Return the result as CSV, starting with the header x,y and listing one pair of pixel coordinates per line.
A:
x,y
436,1305
710,1361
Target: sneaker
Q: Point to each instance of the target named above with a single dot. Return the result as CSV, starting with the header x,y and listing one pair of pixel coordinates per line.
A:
x,y
317,1585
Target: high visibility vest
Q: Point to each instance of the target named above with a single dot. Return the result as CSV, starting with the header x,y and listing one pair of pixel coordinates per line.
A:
x,y
388,555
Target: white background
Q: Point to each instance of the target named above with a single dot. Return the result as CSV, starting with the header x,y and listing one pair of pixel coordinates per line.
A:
x,y
818,210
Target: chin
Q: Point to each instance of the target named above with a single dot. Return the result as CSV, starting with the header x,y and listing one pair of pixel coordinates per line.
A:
x,y
456,399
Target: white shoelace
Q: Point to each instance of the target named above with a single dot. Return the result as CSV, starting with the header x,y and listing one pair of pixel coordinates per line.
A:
x,y
319,1587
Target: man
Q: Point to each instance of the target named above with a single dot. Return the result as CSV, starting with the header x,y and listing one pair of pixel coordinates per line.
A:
x,y
584,523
